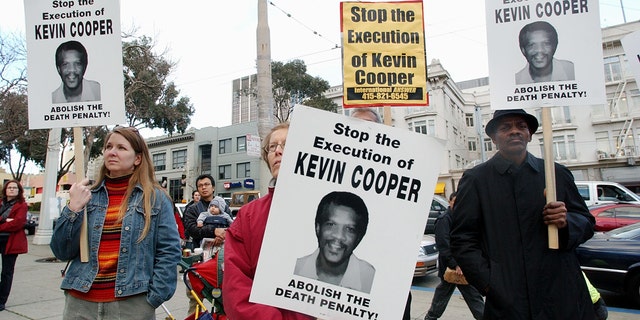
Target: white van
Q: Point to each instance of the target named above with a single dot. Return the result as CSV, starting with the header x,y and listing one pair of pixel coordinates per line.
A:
x,y
596,192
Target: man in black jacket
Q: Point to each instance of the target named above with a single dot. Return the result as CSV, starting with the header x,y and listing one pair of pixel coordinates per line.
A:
x,y
499,235
206,187
444,290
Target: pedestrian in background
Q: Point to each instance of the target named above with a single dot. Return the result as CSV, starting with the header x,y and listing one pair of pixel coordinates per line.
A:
x,y
444,290
13,241
499,235
134,247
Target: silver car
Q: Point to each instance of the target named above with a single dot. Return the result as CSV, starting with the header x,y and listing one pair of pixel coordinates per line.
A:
x,y
427,256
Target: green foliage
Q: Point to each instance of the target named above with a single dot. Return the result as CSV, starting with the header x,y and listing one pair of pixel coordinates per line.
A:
x,y
150,99
292,85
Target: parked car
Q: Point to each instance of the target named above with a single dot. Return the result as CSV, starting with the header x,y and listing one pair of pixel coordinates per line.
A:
x,y
611,261
438,205
427,257
597,192
32,223
610,216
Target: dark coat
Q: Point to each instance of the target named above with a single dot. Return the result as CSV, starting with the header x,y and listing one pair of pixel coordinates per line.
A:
x,y
442,230
17,242
500,241
191,224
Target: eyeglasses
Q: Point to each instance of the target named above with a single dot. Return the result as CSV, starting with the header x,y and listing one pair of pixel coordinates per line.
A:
x,y
273,147
203,185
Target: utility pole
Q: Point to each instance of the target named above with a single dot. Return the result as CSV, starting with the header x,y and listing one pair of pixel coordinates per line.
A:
x,y
265,93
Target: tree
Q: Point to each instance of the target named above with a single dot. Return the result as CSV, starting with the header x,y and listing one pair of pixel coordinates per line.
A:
x,y
13,102
150,99
31,145
292,85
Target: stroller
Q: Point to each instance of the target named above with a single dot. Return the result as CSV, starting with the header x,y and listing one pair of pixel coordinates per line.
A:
x,y
204,281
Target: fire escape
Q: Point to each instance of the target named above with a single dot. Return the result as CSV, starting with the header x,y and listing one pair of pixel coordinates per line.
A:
x,y
622,150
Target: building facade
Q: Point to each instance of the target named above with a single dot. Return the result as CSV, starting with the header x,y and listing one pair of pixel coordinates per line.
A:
x,y
229,154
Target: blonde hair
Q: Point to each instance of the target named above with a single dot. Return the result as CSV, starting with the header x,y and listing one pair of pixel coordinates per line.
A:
x,y
265,142
143,174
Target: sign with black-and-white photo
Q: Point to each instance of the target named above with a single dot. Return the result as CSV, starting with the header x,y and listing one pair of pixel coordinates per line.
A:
x,y
347,217
74,54
544,53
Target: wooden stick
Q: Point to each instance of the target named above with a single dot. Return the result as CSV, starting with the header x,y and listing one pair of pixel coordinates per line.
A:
x,y
549,171
79,162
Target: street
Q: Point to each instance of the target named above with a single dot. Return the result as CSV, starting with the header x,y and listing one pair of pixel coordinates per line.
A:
x,y
612,300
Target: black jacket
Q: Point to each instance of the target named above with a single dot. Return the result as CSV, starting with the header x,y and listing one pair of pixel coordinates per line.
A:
x,y
500,241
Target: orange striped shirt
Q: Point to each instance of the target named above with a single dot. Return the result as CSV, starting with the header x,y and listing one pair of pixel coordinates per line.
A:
x,y
103,287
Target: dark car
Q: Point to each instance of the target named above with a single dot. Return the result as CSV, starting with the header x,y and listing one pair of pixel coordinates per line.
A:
x,y
611,261
615,215
32,223
438,206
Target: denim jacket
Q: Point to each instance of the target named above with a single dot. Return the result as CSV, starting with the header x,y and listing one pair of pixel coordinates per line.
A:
x,y
149,266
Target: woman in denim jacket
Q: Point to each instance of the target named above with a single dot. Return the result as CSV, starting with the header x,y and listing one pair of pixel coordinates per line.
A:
x,y
134,246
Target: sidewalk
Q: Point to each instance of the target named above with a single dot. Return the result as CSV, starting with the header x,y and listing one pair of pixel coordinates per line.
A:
x,y
36,294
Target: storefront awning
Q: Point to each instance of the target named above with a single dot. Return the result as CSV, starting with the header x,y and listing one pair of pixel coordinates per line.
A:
x,y
439,188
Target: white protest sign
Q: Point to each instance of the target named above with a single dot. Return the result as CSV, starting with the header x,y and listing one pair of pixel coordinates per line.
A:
x,y
544,53
393,171
631,45
74,54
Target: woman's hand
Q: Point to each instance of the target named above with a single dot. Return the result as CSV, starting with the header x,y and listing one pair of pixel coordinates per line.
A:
x,y
79,195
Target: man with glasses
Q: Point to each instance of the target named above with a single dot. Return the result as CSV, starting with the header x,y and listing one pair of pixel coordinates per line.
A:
x,y
206,187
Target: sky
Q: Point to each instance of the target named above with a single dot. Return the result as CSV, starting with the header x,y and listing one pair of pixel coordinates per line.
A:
x,y
214,42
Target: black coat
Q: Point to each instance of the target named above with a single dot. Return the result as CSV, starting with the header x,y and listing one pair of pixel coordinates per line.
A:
x,y
442,230
501,243
191,224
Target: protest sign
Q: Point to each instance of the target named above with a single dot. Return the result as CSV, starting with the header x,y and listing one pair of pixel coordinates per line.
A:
x,y
536,58
383,54
365,169
74,53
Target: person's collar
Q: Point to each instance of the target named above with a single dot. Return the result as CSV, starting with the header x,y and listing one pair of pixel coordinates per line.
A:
x,y
502,164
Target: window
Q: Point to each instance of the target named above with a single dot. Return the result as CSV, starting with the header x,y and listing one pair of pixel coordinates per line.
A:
x,y
564,147
159,161
224,146
241,143
243,170
561,115
224,172
603,143
179,159
175,190
423,126
488,145
472,143
205,159
628,213
419,126
612,69
469,119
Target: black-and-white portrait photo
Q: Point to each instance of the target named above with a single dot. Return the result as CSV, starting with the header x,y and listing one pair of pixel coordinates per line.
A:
x,y
340,224
71,62
538,43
